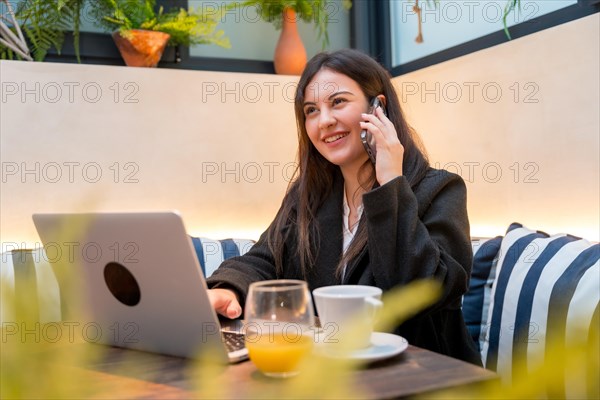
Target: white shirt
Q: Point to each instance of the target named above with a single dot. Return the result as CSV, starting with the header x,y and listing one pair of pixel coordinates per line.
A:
x,y
349,231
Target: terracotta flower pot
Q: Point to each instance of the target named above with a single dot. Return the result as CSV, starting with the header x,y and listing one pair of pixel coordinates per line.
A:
x,y
290,54
141,48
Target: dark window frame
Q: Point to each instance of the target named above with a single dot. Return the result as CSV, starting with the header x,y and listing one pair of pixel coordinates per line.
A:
x,y
370,31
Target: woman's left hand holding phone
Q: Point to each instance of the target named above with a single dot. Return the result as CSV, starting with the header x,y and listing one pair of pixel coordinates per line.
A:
x,y
390,152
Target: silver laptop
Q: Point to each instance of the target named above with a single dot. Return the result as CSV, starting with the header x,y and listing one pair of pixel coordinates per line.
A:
x,y
141,283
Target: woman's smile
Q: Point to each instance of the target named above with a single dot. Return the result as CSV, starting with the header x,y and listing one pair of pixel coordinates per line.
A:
x,y
335,137
333,107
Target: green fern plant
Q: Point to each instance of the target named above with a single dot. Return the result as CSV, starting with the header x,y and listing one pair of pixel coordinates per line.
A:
x,y
44,24
185,27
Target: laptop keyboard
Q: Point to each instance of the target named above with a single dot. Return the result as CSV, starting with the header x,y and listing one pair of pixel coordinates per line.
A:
x,y
233,340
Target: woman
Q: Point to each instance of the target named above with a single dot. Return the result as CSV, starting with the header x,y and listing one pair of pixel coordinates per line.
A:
x,y
347,221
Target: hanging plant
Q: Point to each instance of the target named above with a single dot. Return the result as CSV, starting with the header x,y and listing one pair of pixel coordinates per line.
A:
x,y
508,8
417,10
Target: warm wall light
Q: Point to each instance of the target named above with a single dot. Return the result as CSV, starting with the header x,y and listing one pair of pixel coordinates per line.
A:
x,y
487,231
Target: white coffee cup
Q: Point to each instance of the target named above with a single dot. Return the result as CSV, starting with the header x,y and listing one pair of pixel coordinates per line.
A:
x,y
347,313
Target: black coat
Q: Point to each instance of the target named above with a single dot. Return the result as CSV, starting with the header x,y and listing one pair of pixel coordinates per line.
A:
x,y
412,233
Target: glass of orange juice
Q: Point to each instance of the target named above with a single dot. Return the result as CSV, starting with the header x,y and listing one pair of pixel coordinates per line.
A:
x,y
279,317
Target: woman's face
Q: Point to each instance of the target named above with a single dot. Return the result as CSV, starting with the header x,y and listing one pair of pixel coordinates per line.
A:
x,y
333,104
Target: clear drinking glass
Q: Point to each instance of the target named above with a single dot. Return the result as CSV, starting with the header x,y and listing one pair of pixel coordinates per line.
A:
x,y
279,317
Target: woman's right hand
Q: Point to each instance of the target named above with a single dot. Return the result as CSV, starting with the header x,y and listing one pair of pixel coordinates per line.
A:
x,y
225,302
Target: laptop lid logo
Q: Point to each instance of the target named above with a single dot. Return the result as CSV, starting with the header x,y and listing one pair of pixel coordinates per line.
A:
x,y
122,284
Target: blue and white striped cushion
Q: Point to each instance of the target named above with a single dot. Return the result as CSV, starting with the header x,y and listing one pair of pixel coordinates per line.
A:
x,y
547,290
27,274
477,300
211,253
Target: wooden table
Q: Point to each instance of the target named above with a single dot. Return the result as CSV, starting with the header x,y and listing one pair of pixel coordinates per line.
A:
x,y
88,370
121,373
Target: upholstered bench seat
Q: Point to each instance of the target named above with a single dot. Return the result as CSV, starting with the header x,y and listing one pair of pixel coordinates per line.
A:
x,y
27,273
531,293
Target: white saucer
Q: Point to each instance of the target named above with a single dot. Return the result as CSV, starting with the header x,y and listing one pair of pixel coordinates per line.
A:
x,y
383,345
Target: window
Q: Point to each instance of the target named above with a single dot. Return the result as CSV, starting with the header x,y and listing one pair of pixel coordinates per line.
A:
x,y
455,22
458,27
386,29
253,40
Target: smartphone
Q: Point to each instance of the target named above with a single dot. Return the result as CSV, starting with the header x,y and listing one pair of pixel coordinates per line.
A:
x,y
366,137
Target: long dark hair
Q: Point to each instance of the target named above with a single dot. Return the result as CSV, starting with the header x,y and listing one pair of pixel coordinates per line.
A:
x,y
314,174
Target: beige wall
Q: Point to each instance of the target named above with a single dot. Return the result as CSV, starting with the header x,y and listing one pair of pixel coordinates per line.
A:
x,y
217,146
520,123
